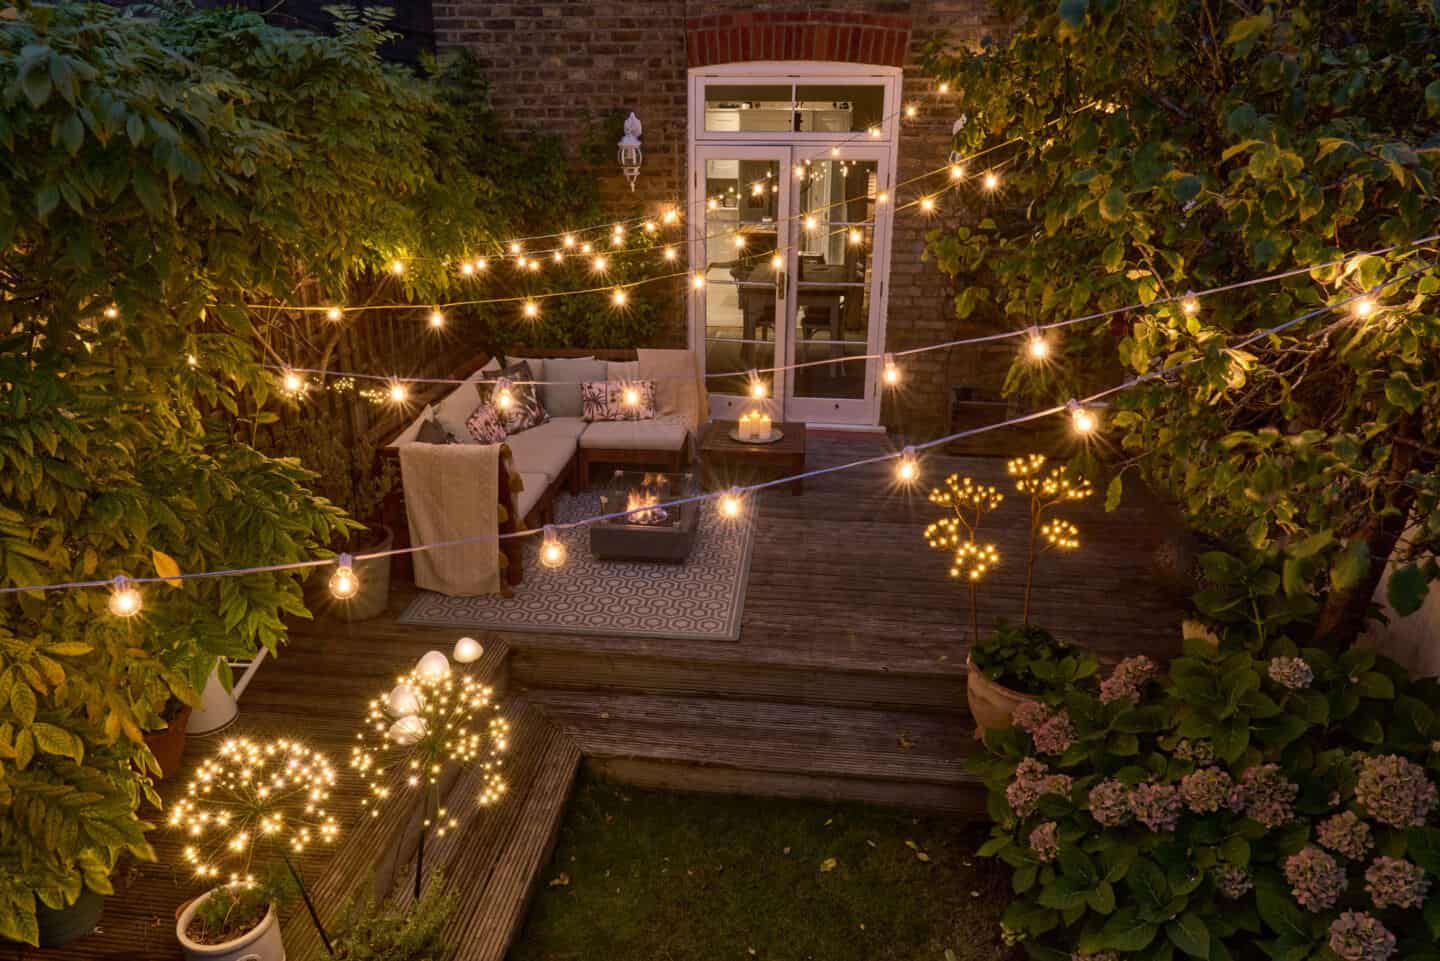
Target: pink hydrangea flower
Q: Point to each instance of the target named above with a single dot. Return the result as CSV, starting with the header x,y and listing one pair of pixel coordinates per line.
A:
x,y
1395,791
1232,881
1157,806
1110,803
1265,795
1291,672
1199,752
1045,841
1206,790
1051,731
1357,936
1346,834
1127,680
1029,715
1316,879
1395,882
1032,781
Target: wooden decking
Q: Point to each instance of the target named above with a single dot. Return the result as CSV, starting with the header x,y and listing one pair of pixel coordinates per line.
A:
x,y
847,681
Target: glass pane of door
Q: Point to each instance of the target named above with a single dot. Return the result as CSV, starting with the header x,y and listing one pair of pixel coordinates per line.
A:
x,y
741,233
835,279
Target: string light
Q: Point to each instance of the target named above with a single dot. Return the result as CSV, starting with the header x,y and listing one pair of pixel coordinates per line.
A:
x,y
698,280
124,598
504,399
532,265
909,468
586,248
1190,304
927,204
343,583
1083,420
334,314
1364,308
569,240
757,386
398,393
671,253
515,247
730,504
599,264
991,181
739,241
437,319
1036,346
957,171
481,263
890,372
558,257
777,262
810,222
531,309
670,215
467,268
619,297
111,312
552,551
397,267
911,111
292,382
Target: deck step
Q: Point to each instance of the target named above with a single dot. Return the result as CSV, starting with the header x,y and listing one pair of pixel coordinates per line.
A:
x,y
899,758
551,668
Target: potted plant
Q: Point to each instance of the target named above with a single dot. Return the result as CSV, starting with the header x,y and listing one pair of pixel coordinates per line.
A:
x,y
1016,664
168,743
253,799
366,931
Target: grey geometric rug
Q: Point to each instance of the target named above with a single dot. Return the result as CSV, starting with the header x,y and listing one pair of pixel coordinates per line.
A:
x,y
701,599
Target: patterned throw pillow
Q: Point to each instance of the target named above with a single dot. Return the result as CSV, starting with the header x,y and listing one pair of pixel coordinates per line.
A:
x,y
485,424
618,399
525,410
432,433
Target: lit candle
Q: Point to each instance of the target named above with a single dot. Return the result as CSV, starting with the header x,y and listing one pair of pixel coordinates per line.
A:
x,y
762,427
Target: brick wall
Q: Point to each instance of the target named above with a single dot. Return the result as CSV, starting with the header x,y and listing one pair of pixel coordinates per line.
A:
x,y
571,66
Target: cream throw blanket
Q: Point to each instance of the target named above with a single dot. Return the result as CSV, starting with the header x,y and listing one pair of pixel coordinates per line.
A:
x,y
679,385
452,493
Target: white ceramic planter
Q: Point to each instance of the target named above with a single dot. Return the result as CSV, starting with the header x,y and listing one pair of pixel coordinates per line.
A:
x,y
260,943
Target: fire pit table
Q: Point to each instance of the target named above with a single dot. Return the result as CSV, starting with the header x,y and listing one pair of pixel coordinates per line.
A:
x,y
663,534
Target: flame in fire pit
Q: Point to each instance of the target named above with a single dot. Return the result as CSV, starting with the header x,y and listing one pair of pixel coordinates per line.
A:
x,y
642,499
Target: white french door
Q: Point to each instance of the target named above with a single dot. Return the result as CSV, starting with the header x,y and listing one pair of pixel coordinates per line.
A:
x,y
793,249
790,227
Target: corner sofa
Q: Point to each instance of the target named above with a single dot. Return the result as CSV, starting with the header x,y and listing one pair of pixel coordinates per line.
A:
x,y
560,453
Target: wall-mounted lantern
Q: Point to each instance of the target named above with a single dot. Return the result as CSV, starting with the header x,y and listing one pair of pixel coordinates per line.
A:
x,y
629,152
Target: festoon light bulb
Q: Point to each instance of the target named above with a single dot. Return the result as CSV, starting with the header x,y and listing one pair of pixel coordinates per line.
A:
x,y
552,551
343,583
124,597
730,504
1083,420
909,468
890,371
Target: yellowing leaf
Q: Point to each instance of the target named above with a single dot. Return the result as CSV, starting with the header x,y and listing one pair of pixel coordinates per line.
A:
x,y
561,881
166,567
922,856
828,865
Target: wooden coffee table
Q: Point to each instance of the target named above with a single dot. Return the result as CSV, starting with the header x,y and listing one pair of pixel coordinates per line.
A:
x,y
723,458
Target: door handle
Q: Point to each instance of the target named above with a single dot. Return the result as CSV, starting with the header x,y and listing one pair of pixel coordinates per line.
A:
x,y
780,284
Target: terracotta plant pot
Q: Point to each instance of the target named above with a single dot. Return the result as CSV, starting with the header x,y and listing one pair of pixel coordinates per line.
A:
x,y
168,745
992,704
260,943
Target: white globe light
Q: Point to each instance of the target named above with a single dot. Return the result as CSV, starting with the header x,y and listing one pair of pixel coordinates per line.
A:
x,y
433,666
408,730
402,701
467,650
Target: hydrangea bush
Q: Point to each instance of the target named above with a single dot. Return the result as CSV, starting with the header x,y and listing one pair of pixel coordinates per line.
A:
x,y
1270,804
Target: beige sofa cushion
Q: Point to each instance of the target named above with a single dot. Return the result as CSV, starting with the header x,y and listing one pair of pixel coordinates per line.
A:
x,y
660,434
677,380
545,449
535,485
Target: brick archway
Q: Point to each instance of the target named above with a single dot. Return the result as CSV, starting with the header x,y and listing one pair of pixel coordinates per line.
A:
x,y
745,36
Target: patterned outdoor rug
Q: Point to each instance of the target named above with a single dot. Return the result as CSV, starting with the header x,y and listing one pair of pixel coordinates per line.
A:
x,y
701,598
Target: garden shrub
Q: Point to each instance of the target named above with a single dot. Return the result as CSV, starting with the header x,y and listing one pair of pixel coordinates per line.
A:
x,y
1255,801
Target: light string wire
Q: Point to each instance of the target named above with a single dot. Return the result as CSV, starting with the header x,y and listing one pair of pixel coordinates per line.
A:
x,y
1081,403
880,355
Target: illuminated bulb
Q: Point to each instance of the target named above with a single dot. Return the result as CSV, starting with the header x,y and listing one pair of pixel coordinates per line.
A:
x,y
670,253
1037,346
616,240
191,360
437,319
1364,307
909,468
670,216
569,240
757,386
334,313
927,204
882,198
1190,304
739,241
398,393
618,230
834,151
467,650
408,730
111,312
586,247
504,399
698,281
777,262
799,171
531,309
631,397
991,181
811,223
515,247
911,111
397,267
874,131
730,504
558,257
124,599
943,88
619,297
532,265
757,190
855,235
481,264
599,265
433,666
890,373
522,262
713,203
467,268
1083,420
552,552
402,701
293,382
343,583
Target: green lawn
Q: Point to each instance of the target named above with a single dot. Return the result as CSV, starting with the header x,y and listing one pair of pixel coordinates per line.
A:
x,y
652,876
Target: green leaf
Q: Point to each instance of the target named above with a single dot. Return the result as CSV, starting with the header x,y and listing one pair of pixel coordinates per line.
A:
x,y
1403,394
1113,492
35,82
1248,29
1073,11
57,740
1311,545
1351,564
1186,188
1374,685
1125,931
1423,847
22,702
1432,97
72,133
1190,934
1279,911
1407,589
1113,205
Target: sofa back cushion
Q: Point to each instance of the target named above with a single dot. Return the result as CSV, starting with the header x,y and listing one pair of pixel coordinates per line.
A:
x,y
618,399
561,395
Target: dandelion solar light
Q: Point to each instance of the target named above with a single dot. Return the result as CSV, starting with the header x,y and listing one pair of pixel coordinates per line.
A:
x,y
1046,490
124,597
251,795
957,533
